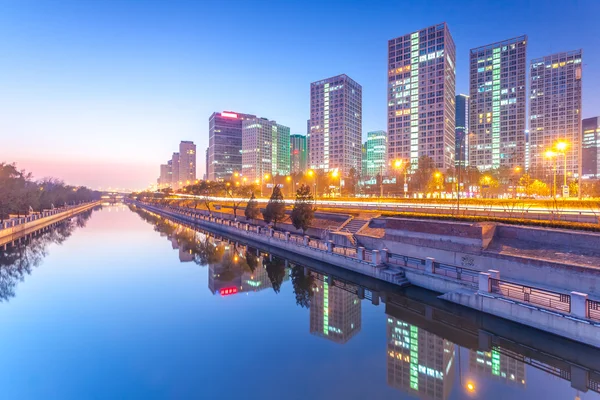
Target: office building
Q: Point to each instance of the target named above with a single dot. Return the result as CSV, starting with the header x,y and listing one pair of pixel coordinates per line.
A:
x,y
419,362
496,364
335,313
555,113
376,149
298,153
225,144
527,163
590,153
461,157
420,99
164,179
187,162
335,125
175,171
497,104
265,149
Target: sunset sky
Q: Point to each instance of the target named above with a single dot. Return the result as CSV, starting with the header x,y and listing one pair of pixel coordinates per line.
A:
x,y
100,93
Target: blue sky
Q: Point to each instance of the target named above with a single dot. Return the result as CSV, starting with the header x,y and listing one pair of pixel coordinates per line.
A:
x,y
101,92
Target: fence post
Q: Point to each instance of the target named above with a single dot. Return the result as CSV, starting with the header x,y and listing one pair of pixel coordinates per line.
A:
x,y
306,239
360,253
330,246
429,264
484,282
385,255
579,304
271,232
376,257
287,236
258,229
494,274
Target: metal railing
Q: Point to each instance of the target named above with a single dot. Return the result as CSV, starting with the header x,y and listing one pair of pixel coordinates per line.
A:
x,y
593,309
406,261
545,298
460,273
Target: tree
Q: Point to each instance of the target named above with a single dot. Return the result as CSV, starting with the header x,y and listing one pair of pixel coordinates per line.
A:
x,y
304,286
252,211
275,210
304,210
275,271
238,195
423,173
351,182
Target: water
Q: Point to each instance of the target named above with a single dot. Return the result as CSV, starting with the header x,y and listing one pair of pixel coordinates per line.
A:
x,y
122,305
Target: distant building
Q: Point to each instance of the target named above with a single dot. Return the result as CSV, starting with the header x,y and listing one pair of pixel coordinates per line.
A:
x,y
265,149
164,179
187,162
555,113
225,144
419,362
461,140
497,365
420,96
298,153
591,142
376,154
497,104
335,125
335,313
175,171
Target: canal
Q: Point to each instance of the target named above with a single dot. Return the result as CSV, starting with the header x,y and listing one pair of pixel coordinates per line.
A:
x,y
119,303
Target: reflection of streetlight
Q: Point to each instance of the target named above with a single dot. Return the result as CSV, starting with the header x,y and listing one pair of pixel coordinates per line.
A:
x,y
470,386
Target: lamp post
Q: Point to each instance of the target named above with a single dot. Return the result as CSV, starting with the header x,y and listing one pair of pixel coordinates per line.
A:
x,y
336,173
266,179
288,179
562,146
313,174
549,154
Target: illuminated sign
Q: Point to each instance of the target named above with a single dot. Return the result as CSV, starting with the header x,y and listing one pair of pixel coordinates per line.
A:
x,y
228,291
229,115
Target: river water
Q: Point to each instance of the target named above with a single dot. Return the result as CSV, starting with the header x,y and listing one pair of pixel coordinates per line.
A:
x,y
119,303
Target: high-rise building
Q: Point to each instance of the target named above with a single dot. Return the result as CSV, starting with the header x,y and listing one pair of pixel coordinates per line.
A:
x,y
335,313
497,365
187,162
376,154
590,156
335,125
205,177
225,144
298,153
420,99
461,140
165,175
175,171
497,104
555,113
419,362
265,149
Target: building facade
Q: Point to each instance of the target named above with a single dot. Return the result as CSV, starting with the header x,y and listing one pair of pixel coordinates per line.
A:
x,y
335,125
298,153
555,112
265,149
461,157
589,151
498,104
187,162
376,152
175,171
421,95
225,144
164,180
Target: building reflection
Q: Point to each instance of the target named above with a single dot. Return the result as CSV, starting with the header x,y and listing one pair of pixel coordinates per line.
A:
x,y
496,365
335,312
419,362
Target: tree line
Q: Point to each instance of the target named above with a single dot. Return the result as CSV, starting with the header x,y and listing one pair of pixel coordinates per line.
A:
x,y
21,194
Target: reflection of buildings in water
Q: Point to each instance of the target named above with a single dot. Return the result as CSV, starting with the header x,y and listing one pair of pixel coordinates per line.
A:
x,y
185,256
335,313
256,280
497,365
419,362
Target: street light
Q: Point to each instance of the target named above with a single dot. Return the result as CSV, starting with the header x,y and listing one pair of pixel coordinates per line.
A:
x,y
562,146
336,173
549,154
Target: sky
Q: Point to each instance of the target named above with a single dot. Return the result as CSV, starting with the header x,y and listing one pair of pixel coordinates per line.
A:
x,y
100,93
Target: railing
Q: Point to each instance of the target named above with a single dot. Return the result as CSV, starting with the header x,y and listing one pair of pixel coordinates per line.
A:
x,y
593,309
9,223
460,273
528,294
407,261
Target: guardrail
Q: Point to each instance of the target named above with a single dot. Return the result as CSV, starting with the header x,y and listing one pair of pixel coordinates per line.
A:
x,y
459,273
593,309
11,223
527,294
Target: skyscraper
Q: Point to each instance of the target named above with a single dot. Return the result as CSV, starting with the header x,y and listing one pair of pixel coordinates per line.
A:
x,y
187,162
555,112
590,164
164,179
376,154
175,171
265,149
297,153
335,125
225,144
497,365
497,104
421,91
335,313
462,131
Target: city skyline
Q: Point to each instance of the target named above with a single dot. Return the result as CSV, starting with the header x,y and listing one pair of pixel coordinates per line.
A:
x,y
117,103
